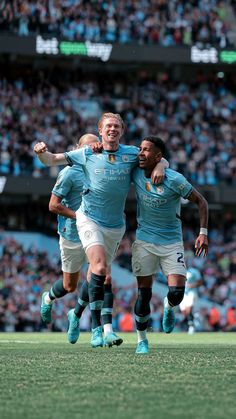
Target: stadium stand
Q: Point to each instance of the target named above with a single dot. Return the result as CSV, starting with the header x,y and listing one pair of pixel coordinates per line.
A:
x,y
146,22
196,119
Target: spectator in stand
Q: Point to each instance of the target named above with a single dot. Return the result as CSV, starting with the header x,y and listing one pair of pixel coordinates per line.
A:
x,y
214,319
231,320
126,321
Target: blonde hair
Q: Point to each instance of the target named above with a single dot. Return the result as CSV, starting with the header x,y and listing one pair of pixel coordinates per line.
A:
x,y
84,138
111,115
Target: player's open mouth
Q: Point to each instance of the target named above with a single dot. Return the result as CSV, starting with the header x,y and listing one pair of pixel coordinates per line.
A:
x,y
113,134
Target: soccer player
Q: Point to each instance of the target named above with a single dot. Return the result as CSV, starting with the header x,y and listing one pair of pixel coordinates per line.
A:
x,y
159,241
194,280
100,218
65,200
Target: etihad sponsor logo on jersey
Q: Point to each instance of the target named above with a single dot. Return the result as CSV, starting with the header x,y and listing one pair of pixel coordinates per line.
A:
x,y
111,158
152,202
112,171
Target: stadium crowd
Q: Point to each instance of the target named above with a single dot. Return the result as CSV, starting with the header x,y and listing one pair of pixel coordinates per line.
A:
x,y
25,272
197,119
162,22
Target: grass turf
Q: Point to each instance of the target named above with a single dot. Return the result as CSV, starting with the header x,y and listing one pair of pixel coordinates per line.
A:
x,y
43,376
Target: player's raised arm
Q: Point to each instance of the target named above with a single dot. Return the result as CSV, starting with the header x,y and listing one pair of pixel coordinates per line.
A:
x,y
201,244
47,158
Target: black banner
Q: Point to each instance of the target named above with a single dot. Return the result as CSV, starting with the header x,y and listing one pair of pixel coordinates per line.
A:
x,y
129,53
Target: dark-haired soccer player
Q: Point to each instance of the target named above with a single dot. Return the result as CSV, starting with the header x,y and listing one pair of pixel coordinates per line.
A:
x,y
159,241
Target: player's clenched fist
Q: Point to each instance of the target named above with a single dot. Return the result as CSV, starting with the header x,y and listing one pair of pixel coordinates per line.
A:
x,y
40,148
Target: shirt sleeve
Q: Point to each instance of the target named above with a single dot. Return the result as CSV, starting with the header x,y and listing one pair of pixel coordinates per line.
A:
x,y
181,186
77,157
63,184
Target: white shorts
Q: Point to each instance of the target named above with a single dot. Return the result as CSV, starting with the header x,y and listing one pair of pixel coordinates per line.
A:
x,y
189,300
92,234
72,255
148,258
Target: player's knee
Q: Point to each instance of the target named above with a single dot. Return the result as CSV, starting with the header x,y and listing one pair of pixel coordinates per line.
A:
x,y
70,287
100,268
108,280
175,295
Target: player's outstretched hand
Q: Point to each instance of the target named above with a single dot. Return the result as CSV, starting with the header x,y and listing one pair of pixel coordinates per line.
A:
x,y
96,147
201,245
40,148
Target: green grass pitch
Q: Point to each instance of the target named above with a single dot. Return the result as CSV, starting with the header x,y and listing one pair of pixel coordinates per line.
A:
x,y
43,376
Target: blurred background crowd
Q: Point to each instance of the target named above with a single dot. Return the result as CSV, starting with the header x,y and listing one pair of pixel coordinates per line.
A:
x,y
192,109
25,272
196,119
176,22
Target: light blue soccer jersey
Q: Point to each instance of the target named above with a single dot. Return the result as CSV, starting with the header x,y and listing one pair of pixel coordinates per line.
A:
x,y
158,207
108,178
69,187
193,276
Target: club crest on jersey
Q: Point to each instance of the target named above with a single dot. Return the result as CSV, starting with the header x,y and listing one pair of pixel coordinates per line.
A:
x,y
160,190
148,186
125,159
88,234
111,158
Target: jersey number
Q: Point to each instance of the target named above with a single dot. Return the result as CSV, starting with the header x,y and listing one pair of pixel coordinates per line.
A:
x,y
180,258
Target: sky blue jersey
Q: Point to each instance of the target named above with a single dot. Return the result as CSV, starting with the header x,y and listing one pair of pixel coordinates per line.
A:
x,y
193,276
69,187
158,207
108,178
